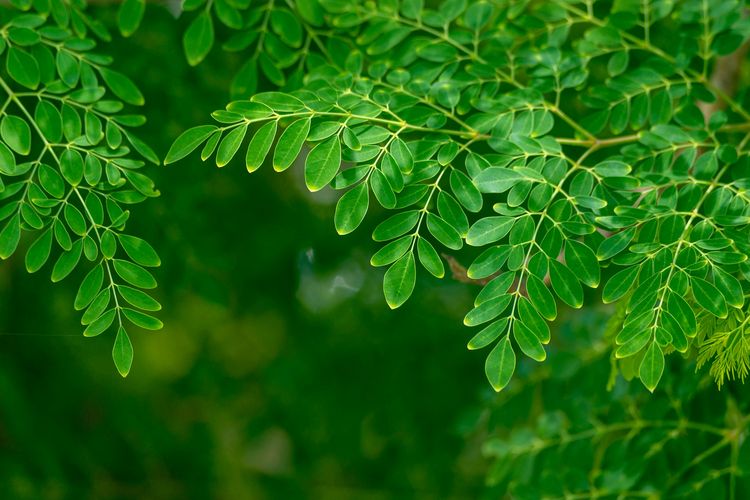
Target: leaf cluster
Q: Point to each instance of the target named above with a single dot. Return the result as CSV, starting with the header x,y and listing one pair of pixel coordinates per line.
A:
x,y
71,165
574,146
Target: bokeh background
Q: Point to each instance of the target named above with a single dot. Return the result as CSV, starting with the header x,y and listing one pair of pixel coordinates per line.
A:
x,y
280,372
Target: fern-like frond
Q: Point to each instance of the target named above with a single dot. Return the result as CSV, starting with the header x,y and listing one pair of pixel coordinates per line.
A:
x,y
444,113
70,166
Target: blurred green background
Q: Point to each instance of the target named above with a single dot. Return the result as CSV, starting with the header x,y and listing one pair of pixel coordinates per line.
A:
x,y
280,373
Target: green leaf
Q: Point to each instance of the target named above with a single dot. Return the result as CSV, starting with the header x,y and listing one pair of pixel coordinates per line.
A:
x,y
615,244
540,297
612,168
7,161
351,209
487,310
97,307
198,38
528,342
477,15
39,251
581,260
532,319
500,365
122,352
497,179
72,126
399,280
619,284
67,262
279,101
286,25
16,134
108,244
23,68
382,189
322,164
71,166
10,236
229,145
142,148
401,153
465,190
396,225
429,258
49,121
634,344
489,230
708,297
122,86
488,334
188,141
444,232
450,210
129,16
90,287
729,287
101,324
134,274
75,220
94,131
142,320
139,250
565,284
488,262
392,251
290,144
652,367
259,146
138,299
68,67
683,314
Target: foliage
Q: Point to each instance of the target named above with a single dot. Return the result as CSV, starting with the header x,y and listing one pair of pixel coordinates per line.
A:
x,y
559,433
563,146
69,164
601,148
600,145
